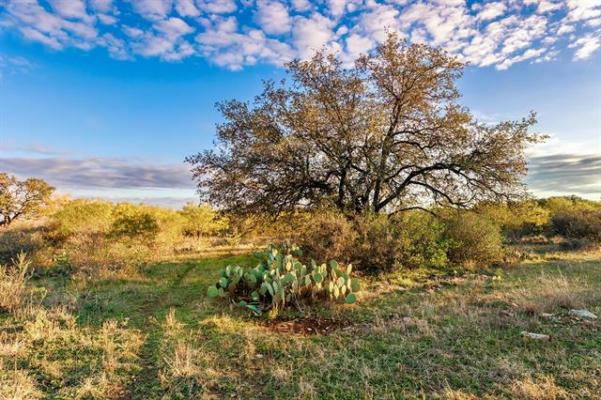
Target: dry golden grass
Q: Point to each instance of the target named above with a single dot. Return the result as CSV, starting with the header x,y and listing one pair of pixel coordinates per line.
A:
x,y
17,384
543,388
13,283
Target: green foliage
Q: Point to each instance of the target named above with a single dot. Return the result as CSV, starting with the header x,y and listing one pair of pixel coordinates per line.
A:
x,y
83,217
376,243
477,240
280,280
409,240
133,222
202,220
516,219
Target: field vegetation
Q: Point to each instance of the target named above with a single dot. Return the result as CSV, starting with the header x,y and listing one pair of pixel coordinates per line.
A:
x,y
110,301
363,236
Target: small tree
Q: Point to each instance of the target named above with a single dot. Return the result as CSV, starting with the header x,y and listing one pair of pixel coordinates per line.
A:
x,y
134,222
202,220
21,198
383,136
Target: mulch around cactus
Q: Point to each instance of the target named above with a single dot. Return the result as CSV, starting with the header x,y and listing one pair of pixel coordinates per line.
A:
x,y
307,326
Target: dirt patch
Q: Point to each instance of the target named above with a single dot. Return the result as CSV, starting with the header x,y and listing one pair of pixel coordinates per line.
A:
x,y
307,326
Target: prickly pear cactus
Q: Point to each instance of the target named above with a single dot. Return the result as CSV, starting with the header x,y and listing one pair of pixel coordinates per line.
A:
x,y
280,280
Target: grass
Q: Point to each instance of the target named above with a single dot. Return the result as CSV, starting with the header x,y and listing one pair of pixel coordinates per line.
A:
x,y
152,333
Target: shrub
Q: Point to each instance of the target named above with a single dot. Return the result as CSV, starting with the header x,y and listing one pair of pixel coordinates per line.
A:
x,y
516,219
327,236
409,240
134,222
13,281
14,241
577,225
83,217
280,280
477,240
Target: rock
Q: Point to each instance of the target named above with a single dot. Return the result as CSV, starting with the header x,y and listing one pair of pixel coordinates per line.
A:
x,y
546,315
535,336
583,314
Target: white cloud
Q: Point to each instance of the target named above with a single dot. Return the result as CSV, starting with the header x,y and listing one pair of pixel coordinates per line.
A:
x,y
586,47
311,34
273,17
357,45
173,27
491,11
528,54
186,8
217,6
301,5
101,5
38,36
337,7
70,8
235,33
583,9
152,9
377,19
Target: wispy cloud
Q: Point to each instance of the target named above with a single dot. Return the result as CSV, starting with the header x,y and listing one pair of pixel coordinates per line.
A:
x,y
14,64
565,174
233,33
99,173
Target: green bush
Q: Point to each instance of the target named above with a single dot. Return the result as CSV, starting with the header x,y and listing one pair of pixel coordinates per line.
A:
x,y
83,217
477,241
409,240
202,220
281,280
376,243
134,223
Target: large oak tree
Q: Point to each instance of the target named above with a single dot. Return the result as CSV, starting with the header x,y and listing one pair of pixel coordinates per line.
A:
x,y
384,135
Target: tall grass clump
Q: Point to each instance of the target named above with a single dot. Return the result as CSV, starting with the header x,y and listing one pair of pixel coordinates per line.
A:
x,y
13,283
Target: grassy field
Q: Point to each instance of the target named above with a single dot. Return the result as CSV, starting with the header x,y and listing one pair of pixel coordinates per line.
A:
x,y
153,334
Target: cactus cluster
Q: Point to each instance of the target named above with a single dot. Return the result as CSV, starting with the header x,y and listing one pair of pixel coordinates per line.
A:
x,y
280,279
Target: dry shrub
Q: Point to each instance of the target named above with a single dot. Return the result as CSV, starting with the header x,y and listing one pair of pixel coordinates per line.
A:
x,y
327,236
13,283
19,238
577,224
477,241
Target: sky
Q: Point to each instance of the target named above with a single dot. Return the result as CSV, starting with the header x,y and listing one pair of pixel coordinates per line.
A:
x,y
105,98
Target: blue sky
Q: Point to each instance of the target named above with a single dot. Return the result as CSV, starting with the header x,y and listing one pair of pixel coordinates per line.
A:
x,y
105,98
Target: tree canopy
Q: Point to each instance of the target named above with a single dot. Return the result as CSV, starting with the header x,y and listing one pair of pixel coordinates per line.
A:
x,y
384,135
21,198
